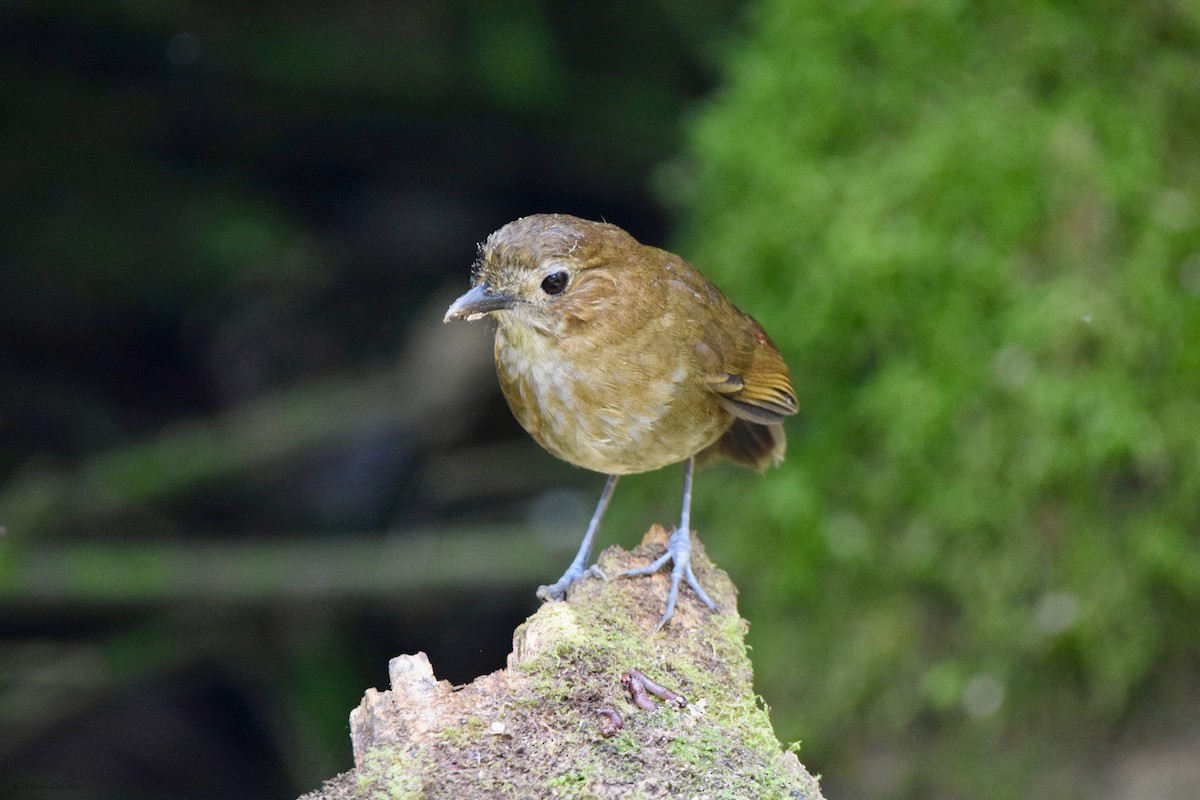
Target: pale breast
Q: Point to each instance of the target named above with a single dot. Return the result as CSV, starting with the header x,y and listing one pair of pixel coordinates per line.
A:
x,y
613,412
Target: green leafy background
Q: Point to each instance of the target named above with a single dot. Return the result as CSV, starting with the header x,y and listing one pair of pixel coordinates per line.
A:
x,y
974,231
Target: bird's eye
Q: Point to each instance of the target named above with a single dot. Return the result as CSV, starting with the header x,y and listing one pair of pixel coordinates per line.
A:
x,y
554,283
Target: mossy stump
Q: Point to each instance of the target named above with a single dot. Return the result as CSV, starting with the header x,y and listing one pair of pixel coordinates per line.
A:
x,y
533,729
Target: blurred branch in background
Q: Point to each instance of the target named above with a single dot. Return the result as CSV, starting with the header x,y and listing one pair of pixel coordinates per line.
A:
x,y
403,570
428,398
399,567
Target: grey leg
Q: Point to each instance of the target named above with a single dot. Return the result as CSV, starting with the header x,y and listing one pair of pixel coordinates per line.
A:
x,y
578,568
679,553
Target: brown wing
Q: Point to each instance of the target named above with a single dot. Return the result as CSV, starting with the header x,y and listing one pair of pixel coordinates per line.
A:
x,y
755,387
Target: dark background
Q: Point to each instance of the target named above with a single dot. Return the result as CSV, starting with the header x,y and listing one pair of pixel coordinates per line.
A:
x,y
224,217
243,463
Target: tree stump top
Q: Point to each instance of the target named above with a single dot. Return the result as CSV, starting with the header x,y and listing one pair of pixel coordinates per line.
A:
x,y
535,728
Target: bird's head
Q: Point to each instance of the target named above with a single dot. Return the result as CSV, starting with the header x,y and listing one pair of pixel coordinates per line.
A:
x,y
550,272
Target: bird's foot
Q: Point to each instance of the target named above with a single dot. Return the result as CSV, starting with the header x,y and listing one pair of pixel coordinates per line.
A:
x,y
679,553
558,589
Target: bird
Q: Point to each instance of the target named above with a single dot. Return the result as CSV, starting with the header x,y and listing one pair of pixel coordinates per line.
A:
x,y
622,358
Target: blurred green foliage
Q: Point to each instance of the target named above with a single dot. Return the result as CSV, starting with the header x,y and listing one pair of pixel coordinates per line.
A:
x,y
974,231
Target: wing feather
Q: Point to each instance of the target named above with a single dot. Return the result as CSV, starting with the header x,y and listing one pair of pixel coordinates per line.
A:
x,y
753,384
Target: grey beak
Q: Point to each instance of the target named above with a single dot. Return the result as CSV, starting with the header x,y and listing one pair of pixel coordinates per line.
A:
x,y
478,301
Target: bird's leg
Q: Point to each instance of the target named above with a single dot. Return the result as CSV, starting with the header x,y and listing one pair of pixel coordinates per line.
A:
x,y
679,553
578,568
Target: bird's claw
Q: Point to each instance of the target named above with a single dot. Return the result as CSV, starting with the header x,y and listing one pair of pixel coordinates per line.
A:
x,y
558,589
679,553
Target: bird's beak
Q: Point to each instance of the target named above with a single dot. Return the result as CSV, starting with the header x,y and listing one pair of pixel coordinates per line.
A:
x,y
478,301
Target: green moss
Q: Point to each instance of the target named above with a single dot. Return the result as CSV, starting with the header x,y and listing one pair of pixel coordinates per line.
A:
x,y
468,730
570,784
972,229
393,773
